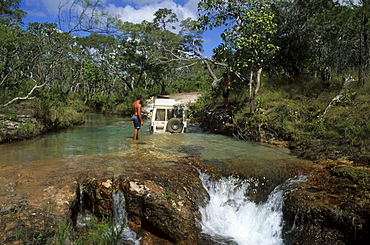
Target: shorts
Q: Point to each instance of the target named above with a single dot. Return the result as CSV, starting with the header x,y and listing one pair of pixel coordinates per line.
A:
x,y
136,121
226,93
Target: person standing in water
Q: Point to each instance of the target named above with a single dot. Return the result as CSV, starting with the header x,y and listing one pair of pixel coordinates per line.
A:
x,y
226,91
136,116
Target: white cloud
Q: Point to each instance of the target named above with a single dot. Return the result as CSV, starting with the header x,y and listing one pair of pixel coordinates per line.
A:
x,y
50,7
134,11
192,5
139,2
36,13
146,12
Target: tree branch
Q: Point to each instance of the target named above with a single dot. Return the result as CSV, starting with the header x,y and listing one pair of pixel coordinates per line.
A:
x,y
27,97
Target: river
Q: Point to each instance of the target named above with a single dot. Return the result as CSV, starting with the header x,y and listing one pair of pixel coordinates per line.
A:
x,y
104,144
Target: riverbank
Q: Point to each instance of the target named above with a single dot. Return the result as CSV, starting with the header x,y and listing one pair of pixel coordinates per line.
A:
x,y
28,120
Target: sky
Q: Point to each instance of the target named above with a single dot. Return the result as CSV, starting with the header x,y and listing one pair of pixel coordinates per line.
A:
x,y
134,11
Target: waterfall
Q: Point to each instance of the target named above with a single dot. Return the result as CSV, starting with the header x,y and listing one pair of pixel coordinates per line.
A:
x,y
120,218
82,218
231,218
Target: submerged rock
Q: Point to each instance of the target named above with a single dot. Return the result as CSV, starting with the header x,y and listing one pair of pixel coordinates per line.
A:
x,y
191,149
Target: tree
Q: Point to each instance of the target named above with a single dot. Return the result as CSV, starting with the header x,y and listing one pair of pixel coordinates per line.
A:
x,y
39,58
247,39
10,14
320,37
163,17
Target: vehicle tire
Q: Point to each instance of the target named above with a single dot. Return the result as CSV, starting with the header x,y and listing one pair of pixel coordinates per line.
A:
x,y
174,125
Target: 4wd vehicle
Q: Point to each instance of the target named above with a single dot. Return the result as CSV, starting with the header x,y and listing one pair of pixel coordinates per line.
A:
x,y
168,115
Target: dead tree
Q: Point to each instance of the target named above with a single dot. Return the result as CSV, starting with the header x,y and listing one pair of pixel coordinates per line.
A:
x,y
337,98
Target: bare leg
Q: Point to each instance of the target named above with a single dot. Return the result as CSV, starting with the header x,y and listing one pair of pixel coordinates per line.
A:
x,y
136,133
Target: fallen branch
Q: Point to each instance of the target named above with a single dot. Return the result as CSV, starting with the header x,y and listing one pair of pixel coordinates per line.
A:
x,y
27,97
337,98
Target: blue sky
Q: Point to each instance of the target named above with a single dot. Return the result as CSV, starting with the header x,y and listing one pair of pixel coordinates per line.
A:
x,y
134,11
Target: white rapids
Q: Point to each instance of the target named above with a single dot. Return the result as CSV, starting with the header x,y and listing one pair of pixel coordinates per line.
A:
x,y
231,218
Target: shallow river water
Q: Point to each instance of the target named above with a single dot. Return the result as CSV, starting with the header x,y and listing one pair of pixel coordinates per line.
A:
x,y
104,135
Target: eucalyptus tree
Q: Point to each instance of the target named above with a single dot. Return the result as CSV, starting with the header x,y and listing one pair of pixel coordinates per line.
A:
x,y
364,34
95,54
149,54
323,37
10,62
316,36
132,56
247,39
10,34
192,35
40,60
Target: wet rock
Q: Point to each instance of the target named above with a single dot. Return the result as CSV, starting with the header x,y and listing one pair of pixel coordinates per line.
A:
x,y
162,203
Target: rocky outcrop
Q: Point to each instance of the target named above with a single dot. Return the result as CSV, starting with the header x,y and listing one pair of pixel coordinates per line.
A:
x,y
23,127
217,120
162,204
331,207
19,128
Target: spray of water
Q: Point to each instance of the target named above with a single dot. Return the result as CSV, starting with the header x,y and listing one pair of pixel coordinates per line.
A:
x,y
231,218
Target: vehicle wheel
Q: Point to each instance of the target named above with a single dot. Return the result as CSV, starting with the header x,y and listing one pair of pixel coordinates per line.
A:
x,y
174,125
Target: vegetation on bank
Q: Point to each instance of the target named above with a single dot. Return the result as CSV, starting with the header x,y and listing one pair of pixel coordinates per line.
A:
x,y
308,114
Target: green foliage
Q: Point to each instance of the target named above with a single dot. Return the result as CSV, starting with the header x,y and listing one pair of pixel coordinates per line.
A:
x,y
359,175
55,114
292,109
250,30
203,103
63,233
10,14
101,232
163,17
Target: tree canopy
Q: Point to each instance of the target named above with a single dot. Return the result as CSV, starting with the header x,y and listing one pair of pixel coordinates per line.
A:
x,y
119,59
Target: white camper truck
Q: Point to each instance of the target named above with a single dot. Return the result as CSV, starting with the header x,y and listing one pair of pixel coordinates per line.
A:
x,y
168,115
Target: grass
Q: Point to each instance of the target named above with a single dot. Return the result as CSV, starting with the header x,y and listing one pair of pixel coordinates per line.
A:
x,y
45,228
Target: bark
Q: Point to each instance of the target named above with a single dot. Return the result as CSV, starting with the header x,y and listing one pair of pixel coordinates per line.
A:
x,y
253,95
